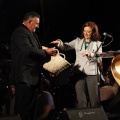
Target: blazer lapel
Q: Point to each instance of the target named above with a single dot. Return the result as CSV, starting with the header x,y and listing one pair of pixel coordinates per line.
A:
x,y
35,41
80,45
33,38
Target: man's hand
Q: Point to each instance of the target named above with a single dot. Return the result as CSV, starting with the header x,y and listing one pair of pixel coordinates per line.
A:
x,y
12,89
51,51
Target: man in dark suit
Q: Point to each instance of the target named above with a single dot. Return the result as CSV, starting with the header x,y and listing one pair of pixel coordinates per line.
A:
x,y
27,58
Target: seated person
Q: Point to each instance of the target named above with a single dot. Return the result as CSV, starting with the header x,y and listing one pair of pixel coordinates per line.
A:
x,y
45,108
110,87
110,93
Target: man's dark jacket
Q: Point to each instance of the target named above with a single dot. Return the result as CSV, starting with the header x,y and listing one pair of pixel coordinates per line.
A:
x,y
27,57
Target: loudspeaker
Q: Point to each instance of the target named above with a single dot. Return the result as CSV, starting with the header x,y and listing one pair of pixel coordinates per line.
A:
x,y
10,117
87,114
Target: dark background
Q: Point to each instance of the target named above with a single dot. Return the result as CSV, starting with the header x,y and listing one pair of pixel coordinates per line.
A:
x,y
61,19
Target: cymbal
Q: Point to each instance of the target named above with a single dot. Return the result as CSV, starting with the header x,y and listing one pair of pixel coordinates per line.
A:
x,y
105,55
109,54
114,53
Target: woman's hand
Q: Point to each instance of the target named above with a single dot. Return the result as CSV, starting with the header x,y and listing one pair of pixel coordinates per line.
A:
x,y
86,53
56,41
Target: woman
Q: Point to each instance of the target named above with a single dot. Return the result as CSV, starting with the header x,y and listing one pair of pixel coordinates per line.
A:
x,y
87,47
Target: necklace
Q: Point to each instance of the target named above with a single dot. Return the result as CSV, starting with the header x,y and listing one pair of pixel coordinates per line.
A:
x,y
87,44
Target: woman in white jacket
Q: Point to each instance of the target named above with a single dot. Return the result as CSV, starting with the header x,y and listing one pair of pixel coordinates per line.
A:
x,y
87,47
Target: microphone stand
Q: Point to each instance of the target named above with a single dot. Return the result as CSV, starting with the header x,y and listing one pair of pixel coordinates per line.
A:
x,y
98,76
96,55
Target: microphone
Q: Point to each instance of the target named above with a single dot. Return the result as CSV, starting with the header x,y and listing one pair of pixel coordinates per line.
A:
x,y
107,35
